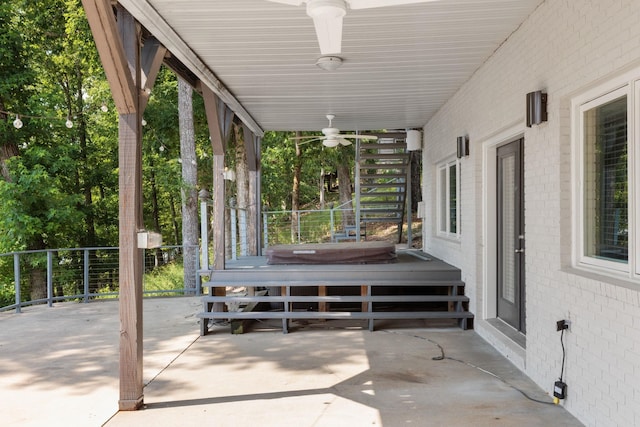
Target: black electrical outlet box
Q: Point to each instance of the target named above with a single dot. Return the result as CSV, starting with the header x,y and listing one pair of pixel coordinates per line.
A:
x,y
561,324
559,390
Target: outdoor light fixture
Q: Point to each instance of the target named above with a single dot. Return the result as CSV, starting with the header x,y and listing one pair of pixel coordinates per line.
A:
x,y
17,123
331,142
229,174
329,63
463,146
536,108
68,123
327,18
413,140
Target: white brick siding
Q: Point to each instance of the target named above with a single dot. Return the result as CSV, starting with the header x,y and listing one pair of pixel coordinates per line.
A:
x,y
564,48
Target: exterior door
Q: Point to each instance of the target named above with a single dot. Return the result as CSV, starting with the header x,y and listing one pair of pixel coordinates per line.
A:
x,y
510,228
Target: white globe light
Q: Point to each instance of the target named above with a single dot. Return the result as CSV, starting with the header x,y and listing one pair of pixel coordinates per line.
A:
x,y
17,123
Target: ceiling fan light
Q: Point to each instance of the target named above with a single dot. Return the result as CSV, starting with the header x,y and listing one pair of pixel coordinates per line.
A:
x,y
331,142
329,63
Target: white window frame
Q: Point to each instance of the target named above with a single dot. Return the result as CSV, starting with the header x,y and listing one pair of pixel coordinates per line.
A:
x,y
625,85
443,195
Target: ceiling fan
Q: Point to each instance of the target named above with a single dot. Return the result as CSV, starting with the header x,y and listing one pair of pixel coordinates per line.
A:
x,y
327,17
331,137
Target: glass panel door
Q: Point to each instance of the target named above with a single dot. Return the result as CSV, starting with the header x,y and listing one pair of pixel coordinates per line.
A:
x,y
511,234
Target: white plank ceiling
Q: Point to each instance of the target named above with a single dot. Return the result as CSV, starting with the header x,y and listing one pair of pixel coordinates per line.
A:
x,y
401,63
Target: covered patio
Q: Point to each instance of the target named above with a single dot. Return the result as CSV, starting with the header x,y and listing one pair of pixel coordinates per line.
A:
x,y
59,367
256,60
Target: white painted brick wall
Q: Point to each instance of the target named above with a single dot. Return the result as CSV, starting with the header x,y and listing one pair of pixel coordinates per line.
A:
x,y
564,47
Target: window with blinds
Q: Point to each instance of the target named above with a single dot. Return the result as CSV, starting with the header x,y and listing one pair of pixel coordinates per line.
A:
x,y
606,195
449,198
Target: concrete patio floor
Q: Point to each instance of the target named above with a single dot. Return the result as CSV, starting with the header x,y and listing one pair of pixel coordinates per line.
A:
x,y
59,366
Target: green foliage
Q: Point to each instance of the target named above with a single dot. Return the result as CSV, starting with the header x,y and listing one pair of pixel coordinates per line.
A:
x,y
278,158
167,277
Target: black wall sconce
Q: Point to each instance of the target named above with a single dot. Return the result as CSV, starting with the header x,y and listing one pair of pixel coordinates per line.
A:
x,y
536,108
463,146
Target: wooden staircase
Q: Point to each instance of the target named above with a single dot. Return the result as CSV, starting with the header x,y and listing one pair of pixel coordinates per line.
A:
x,y
382,174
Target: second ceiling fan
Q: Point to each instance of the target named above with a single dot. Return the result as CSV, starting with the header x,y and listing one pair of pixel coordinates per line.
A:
x,y
331,137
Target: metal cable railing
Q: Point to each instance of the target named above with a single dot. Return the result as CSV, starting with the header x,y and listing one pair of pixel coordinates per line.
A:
x,y
79,274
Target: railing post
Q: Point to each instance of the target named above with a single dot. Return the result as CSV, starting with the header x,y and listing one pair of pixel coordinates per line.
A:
x,y
298,226
265,227
234,231
243,231
204,229
50,278
16,277
332,225
85,275
198,278
409,202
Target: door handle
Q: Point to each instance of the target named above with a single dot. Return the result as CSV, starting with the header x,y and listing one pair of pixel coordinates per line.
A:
x,y
519,251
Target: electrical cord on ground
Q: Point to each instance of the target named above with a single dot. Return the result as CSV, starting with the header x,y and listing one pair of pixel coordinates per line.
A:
x,y
443,356
563,355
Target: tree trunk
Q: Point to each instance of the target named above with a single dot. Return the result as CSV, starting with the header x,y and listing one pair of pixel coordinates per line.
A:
x,y
242,185
321,185
189,181
252,215
155,208
8,148
344,187
295,191
174,219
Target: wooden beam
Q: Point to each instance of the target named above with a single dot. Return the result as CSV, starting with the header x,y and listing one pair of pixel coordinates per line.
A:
x,y
226,118
130,276
152,56
105,33
218,211
215,130
130,222
250,147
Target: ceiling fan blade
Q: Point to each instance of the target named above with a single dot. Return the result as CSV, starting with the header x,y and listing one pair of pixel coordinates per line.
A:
x,y
344,142
289,2
299,138
369,4
310,140
373,137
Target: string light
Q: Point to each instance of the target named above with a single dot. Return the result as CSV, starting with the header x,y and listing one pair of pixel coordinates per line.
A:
x,y
17,123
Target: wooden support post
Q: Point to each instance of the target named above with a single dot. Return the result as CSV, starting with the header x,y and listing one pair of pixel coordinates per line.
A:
x,y
364,291
217,145
322,292
130,222
218,212
130,278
